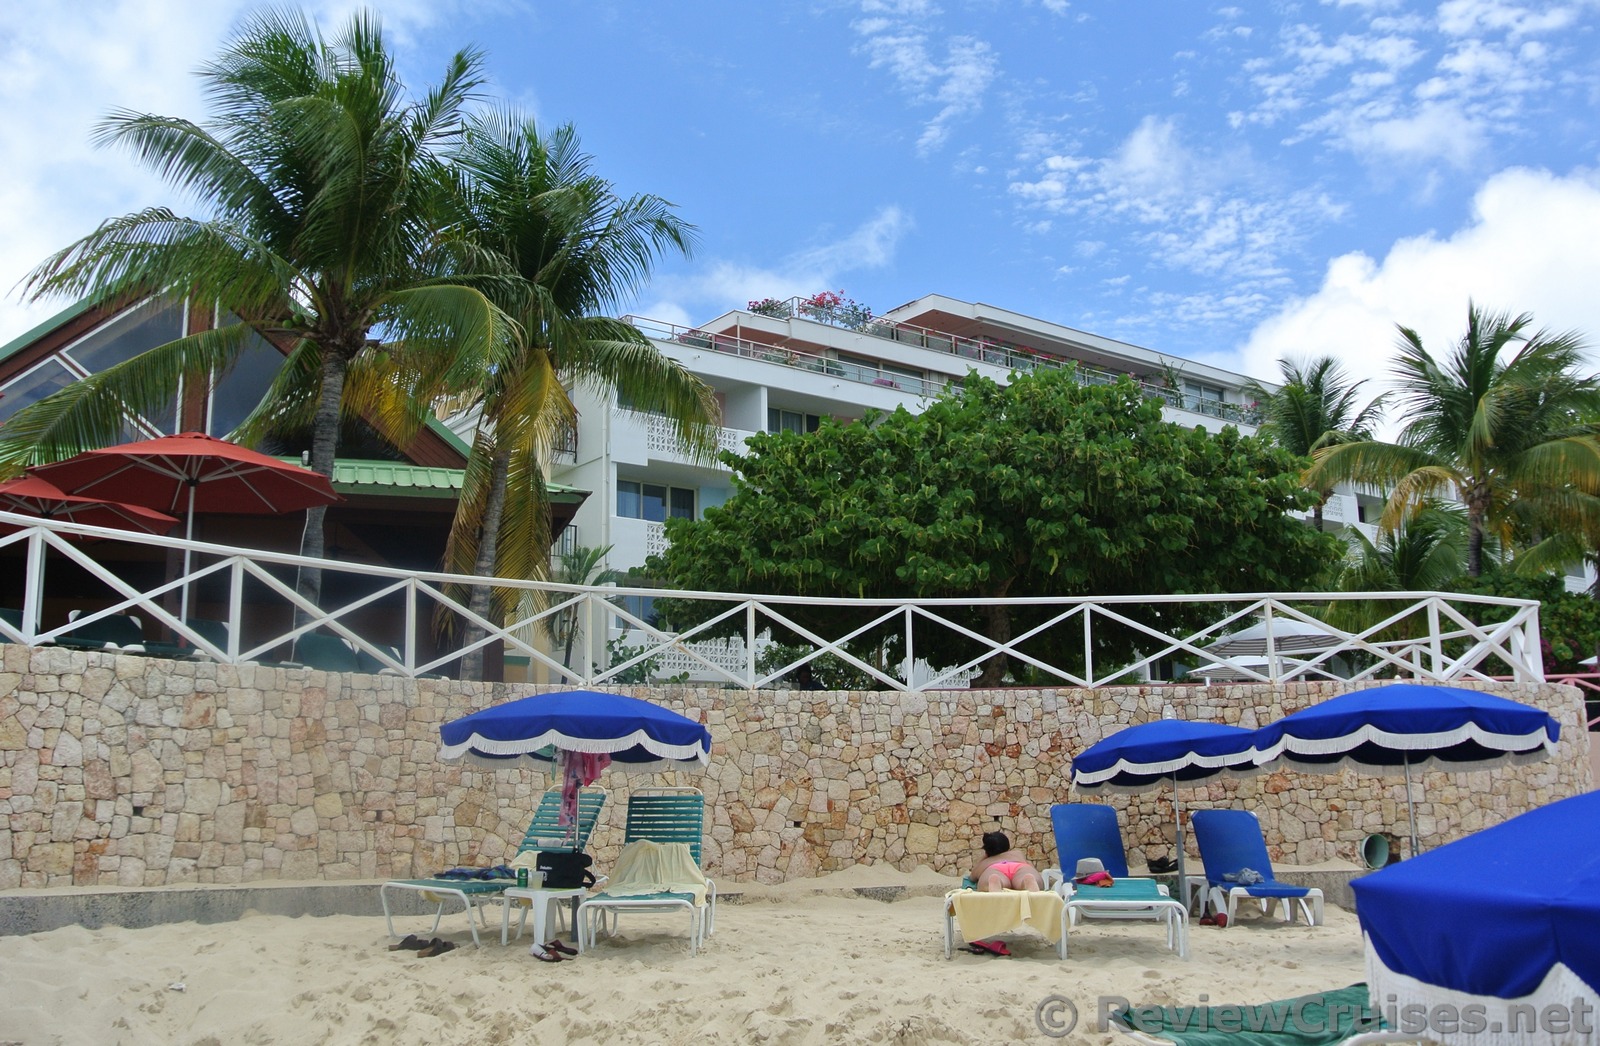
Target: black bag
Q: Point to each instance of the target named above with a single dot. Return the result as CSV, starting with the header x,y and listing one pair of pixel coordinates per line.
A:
x,y
564,869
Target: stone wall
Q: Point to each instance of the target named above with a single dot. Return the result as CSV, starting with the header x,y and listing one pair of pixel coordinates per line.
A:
x,y
123,770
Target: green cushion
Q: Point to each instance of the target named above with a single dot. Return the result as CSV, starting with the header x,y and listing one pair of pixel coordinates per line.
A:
x,y
1302,1021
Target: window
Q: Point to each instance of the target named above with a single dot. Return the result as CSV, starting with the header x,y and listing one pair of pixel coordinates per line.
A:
x,y
779,420
653,501
33,386
240,389
642,607
1201,398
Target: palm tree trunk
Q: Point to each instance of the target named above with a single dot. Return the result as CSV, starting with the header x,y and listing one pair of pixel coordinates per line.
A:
x,y
1476,512
324,446
484,565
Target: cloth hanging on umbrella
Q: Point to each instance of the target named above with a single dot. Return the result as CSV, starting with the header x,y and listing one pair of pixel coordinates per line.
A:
x,y
578,769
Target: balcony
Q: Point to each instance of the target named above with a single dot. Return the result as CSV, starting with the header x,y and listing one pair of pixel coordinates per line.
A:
x,y
1014,358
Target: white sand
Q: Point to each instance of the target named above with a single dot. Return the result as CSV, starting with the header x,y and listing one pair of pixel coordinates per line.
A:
x,y
789,967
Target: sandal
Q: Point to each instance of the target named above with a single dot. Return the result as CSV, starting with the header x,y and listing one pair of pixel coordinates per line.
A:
x,y
539,953
557,946
437,946
412,943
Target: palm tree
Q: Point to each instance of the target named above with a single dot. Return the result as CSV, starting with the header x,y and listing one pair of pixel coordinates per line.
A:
x,y
1315,407
533,203
323,187
582,565
1487,430
1426,553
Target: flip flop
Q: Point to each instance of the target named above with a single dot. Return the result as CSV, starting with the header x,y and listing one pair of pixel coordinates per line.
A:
x,y
412,943
543,956
557,946
437,946
999,948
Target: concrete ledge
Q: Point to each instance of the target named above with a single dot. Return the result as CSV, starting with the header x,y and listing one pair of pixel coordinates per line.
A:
x,y
37,911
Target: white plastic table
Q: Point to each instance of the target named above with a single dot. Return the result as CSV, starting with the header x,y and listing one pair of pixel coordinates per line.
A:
x,y
539,900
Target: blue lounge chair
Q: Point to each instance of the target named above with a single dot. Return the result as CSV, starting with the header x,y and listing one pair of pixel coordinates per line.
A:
x,y
545,832
1085,830
663,816
1232,847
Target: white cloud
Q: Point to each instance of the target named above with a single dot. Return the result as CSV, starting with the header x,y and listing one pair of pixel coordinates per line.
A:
x,y
715,286
64,66
1530,247
1194,211
956,81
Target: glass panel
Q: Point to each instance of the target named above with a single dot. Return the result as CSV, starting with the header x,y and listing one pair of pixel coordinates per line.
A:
x,y
128,335
49,376
682,503
655,502
629,505
238,391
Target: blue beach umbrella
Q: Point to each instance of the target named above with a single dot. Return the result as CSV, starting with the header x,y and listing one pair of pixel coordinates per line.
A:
x,y
1404,725
636,734
1510,914
1139,758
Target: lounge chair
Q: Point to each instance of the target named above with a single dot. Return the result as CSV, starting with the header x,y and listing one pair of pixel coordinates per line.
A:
x,y
1002,911
121,632
674,817
325,653
1333,1018
544,833
1232,847
1085,830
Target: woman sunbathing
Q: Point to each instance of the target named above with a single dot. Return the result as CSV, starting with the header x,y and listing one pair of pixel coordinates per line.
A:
x,y
1002,868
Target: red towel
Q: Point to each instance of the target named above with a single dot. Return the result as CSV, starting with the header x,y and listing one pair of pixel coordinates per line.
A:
x,y
579,769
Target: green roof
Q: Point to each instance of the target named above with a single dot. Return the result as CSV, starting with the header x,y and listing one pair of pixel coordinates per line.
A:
x,y
27,338
398,479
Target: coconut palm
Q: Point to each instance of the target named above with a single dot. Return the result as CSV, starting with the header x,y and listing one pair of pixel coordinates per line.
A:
x,y
322,186
581,565
1487,430
532,201
1315,406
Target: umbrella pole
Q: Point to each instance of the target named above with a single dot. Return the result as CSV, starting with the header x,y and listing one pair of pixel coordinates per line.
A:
x,y
1411,807
1177,807
188,535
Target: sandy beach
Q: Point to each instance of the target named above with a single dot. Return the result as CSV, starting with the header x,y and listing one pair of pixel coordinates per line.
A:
x,y
789,965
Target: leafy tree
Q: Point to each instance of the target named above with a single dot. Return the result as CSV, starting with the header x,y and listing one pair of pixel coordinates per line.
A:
x,y
1315,407
532,204
1040,487
1569,622
322,184
1487,430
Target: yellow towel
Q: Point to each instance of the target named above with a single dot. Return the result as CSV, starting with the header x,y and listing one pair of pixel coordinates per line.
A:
x,y
982,914
644,867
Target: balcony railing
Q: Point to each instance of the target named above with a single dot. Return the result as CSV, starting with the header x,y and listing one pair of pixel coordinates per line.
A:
x,y
387,616
1010,357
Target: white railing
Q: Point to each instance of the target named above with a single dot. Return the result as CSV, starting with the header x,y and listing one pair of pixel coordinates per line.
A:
x,y
388,616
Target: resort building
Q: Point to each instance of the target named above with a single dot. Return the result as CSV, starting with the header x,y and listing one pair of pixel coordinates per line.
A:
x,y
787,365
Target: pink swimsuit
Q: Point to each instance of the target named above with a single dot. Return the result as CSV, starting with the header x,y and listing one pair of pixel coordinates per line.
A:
x,y
1005,868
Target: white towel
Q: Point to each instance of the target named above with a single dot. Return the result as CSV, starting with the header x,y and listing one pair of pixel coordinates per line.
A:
x,y
644,867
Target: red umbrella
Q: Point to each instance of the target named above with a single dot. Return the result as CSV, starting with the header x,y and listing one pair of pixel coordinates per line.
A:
x,y
32,496
188,472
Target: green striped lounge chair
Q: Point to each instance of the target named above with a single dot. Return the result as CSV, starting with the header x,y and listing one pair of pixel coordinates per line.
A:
x,y
658,815
544,833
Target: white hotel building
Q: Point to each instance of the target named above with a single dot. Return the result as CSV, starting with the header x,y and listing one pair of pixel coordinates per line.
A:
x,y
790,370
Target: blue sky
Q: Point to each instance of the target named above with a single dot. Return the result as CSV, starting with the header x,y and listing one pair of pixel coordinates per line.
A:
x,y
1230,183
